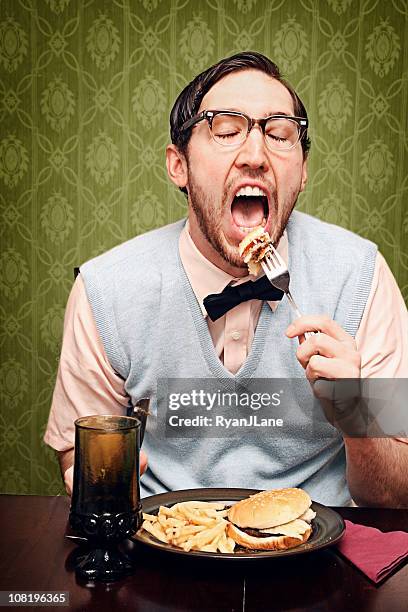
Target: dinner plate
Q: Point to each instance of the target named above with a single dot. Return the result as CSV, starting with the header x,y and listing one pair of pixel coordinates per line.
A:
x,y
328,526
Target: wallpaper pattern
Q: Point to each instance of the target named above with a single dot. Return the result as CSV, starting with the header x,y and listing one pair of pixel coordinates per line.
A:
x,y
85,92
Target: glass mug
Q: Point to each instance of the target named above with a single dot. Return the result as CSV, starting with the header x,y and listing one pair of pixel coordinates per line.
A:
x,y
105,505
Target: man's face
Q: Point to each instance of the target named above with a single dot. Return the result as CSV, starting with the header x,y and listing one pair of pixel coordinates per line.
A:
x,y
218,219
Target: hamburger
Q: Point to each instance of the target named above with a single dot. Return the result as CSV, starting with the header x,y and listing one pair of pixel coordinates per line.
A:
x,y
271,520
253,248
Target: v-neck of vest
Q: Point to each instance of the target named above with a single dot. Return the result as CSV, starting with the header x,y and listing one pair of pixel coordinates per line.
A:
x,y
208,349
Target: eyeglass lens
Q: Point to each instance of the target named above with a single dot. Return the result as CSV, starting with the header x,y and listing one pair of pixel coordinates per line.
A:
x,y
280,133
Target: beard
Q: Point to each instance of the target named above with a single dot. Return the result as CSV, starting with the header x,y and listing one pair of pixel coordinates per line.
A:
x,y
209,215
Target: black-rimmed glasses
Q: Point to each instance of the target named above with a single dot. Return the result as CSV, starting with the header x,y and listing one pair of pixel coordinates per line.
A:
x,y
231,128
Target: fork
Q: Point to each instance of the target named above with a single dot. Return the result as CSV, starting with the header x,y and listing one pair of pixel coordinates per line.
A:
x,y
278,275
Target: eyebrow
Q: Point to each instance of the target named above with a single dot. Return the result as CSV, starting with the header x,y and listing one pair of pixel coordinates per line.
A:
x,y
238,110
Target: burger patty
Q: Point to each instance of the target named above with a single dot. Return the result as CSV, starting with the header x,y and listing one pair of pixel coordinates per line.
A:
x,y
256,533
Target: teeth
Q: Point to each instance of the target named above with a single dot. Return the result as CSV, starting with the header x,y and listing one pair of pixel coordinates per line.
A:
x,y
246,230
250,191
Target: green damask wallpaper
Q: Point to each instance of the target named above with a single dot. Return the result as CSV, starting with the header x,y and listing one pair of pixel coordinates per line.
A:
x,y
85,92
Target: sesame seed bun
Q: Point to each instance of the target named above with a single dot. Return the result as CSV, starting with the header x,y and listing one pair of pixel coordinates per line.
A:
x,y
269,508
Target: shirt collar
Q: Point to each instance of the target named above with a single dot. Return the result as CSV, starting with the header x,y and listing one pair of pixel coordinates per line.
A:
x,y
205,277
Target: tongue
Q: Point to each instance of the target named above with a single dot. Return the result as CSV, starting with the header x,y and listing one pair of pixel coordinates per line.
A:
x,y
247,212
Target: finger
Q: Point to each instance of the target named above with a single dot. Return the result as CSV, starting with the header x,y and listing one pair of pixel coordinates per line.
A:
x,y
322,344
322,323
143,462
332,369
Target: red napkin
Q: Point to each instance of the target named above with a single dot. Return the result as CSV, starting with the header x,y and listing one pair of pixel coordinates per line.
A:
x,y
374,552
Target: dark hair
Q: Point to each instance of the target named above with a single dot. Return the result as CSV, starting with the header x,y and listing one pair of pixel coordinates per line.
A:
x,y
188,102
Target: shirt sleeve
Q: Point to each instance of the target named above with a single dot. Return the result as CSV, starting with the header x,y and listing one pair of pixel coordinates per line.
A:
x,y
86,382
382,338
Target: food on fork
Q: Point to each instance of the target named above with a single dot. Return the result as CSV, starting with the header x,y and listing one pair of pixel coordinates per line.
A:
x,y
254,247
271,520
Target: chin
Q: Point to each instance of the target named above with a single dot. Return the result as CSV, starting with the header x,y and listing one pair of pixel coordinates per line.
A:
x,y
230,254
234,261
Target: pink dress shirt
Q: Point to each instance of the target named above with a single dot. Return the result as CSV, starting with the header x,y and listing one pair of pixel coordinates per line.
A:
x,y
87,384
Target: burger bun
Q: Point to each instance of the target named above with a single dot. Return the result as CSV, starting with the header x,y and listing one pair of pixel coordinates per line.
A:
x,y
270,508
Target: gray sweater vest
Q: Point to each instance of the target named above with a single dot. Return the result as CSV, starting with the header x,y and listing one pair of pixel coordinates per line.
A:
x,y
151,327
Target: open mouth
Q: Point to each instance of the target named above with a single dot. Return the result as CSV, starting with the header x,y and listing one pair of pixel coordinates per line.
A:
x,y
250,208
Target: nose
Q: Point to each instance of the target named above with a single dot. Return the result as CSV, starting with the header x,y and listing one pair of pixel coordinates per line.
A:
x,y
253,152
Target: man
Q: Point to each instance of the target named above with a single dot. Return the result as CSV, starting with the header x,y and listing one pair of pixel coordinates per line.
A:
x,y
136,313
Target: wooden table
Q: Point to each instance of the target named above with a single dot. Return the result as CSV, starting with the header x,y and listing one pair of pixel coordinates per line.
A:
x,y
35,555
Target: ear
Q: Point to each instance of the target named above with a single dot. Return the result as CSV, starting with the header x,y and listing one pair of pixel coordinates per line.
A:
x,y
304,175
176,166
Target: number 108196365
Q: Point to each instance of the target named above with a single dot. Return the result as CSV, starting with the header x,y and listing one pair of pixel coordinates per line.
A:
x,y
34,598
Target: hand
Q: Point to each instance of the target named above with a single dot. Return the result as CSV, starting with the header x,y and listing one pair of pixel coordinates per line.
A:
x,y
331,353
143,462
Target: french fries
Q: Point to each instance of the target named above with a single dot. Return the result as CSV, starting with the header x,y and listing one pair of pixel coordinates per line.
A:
x,y
192,525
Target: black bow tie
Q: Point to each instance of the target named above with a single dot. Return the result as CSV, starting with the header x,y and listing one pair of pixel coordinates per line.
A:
x,y
217,304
